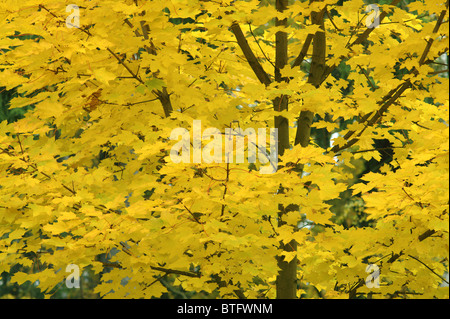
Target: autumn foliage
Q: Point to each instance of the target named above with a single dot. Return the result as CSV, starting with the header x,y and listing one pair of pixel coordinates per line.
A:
x,y
86,177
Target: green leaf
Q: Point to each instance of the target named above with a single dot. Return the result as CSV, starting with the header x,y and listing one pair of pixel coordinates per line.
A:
x,y
155,84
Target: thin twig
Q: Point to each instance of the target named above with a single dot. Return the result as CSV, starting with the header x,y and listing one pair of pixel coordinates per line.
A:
x,y
331,19
445,280
226,188
257,42
193,216
367,77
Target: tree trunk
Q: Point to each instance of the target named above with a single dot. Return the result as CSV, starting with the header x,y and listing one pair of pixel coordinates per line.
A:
x,y
315,76
287,276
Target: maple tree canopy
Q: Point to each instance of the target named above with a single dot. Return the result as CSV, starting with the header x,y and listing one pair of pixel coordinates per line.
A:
x,y
86,176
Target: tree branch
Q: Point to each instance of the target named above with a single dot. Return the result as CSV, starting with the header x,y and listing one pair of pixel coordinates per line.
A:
x,y
167,271
315,74
431,40
367,77
378,114
249,55
133,75
390,98
363,36
394,257
304,50
432,270
177,272
257,42
163,96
